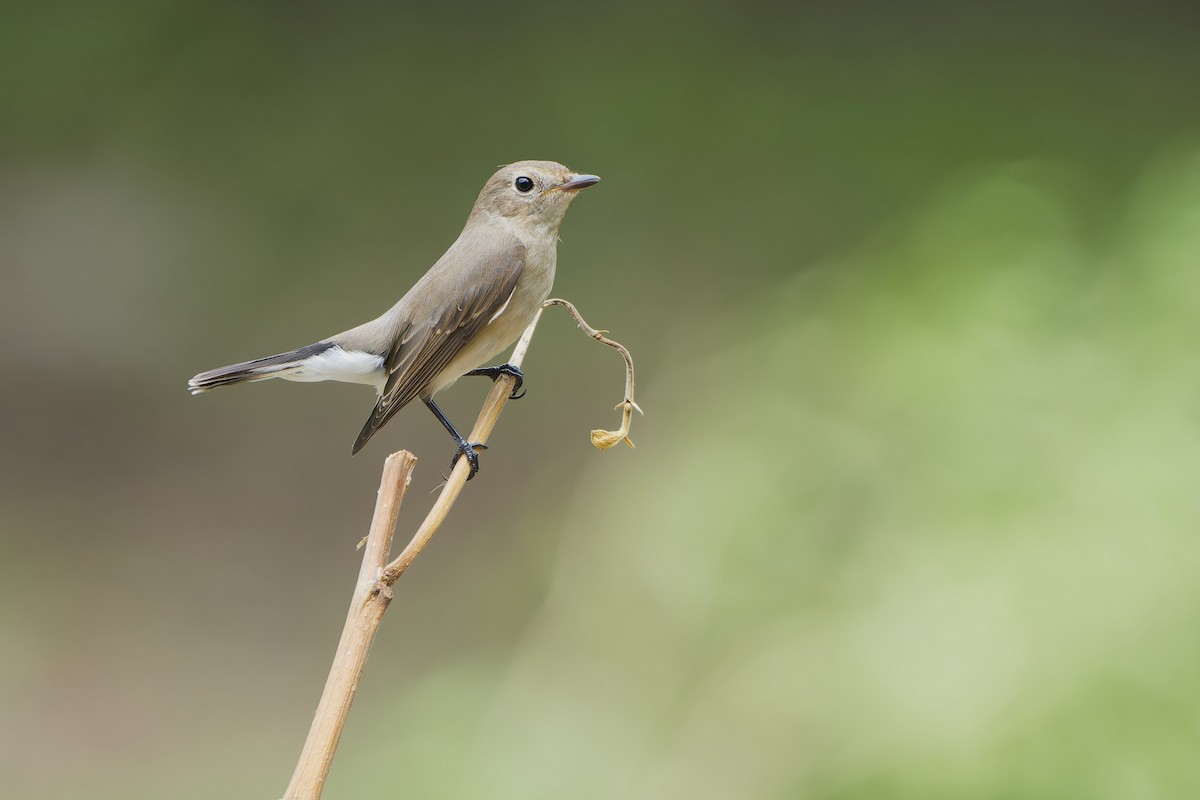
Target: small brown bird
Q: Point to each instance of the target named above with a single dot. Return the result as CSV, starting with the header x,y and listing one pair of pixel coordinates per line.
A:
x,y
474,302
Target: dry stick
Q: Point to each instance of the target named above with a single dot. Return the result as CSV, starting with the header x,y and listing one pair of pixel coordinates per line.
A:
x,y
362,621
373,591
458,476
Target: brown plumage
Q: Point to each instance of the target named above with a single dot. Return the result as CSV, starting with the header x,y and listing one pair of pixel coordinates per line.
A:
x,y
472,304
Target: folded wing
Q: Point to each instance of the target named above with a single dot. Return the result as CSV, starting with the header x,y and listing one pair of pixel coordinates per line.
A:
x,y
425,347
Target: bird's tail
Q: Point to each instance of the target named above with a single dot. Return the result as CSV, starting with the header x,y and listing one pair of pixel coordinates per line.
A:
x,y
259,369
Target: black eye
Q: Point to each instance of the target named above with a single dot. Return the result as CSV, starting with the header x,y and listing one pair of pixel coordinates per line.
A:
x,y
523,184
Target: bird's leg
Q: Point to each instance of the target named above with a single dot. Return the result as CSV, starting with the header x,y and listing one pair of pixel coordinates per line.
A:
x,y
503,369
465,448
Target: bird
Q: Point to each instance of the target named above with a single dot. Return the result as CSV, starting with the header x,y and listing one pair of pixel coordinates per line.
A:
x,y
472,304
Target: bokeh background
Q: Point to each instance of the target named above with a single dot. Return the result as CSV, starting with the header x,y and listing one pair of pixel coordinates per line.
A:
x,y
913,291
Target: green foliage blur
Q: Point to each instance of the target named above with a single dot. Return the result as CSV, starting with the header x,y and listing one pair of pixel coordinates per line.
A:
x,y
915,300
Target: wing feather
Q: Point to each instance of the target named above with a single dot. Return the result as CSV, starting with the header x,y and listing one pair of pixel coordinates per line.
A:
x,y
427,346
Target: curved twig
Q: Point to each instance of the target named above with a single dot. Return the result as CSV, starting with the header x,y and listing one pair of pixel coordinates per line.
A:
x,y
603,439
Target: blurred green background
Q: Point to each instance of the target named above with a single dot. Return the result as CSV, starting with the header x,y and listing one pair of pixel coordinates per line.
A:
x,y
913,292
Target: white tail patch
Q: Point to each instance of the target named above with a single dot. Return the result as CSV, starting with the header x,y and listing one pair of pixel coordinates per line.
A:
x,y
336,364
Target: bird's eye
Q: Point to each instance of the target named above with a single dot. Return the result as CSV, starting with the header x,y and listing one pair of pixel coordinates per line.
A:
x,y
523,184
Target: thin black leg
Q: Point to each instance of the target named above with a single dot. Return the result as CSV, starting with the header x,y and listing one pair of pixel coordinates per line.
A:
x,y
503,369
465,448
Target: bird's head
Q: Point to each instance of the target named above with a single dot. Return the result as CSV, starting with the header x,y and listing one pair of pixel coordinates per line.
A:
x,y
533,194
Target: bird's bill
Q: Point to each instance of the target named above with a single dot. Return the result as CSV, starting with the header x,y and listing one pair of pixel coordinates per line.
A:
x,y
577,182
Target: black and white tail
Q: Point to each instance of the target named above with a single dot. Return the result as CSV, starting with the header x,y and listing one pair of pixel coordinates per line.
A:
x,y
277,366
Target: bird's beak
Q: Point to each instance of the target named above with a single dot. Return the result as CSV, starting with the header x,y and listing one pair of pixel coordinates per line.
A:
x,y
577,182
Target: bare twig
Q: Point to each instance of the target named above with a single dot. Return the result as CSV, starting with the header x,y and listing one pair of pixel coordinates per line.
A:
x,y
373,592
603,439
458,476
362,621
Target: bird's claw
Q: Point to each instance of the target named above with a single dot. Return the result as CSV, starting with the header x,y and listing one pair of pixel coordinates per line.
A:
x,y
471,451
504,369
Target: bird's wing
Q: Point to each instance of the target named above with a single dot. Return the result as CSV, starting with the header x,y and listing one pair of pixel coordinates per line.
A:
x,y
426,346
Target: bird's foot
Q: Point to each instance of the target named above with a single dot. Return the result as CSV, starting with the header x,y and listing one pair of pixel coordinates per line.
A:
x,y
471,451
504,369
